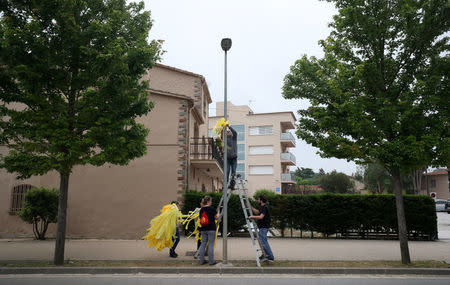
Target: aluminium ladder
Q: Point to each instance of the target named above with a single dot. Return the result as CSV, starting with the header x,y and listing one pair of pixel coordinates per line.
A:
x,y
251,224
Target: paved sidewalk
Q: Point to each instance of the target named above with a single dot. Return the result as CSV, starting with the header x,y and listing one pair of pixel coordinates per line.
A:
x,y
238,249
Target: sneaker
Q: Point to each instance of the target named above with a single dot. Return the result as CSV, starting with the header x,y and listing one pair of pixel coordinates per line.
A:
x,y
214,263
173,255
263,258
203,263
270,260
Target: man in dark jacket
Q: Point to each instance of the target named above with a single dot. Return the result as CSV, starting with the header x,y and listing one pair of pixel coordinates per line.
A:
x,y
231,155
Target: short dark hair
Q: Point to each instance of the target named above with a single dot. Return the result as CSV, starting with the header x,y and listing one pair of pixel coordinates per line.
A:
x,y
262,198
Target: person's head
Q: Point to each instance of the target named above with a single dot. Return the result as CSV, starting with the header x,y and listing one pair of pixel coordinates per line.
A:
x,y
229,133
262,200
176,203
206,201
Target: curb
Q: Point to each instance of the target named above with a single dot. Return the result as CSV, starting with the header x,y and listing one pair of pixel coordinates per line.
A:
x,y
224,270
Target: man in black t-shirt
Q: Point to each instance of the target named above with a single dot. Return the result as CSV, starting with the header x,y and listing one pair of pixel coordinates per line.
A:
x,y
263,221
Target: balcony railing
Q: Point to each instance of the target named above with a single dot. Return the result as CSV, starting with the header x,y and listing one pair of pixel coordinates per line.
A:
x,y
288,138
288,157
205,149
287,177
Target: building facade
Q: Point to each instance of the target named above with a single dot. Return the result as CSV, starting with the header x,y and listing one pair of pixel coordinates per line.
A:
x,y
264,141
118,201
436,182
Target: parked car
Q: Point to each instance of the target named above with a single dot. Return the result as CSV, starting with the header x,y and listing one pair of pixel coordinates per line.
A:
x,y
440,205
447,206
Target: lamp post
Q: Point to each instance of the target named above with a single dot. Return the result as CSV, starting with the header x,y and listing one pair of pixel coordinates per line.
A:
x,y
226,45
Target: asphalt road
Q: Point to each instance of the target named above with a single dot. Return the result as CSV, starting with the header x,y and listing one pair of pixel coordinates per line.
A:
x,y
159,279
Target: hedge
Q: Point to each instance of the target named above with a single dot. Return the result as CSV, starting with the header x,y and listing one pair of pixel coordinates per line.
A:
x,y
348,215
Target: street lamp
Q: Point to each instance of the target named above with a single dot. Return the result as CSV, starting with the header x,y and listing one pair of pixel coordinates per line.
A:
x,y
226,45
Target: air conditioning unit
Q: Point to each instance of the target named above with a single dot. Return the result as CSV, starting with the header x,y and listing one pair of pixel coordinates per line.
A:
x,y
433,195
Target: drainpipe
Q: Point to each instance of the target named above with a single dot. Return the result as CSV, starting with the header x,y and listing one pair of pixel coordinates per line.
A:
x,y
188,153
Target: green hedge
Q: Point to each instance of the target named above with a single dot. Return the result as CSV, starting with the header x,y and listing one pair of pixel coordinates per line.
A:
x,y
344,214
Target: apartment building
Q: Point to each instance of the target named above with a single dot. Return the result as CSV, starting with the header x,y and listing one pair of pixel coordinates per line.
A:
x,y
118,201
264,141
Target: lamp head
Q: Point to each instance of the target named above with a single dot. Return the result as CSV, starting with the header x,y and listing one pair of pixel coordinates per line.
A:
x,y
226,44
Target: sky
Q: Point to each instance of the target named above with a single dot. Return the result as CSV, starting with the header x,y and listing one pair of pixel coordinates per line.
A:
x,y
268,37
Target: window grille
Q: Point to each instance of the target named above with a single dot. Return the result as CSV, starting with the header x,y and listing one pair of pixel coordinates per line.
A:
x,y
18,197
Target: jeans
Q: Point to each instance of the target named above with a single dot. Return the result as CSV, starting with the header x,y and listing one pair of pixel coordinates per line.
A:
x,y
265,243
207,237
231,164
175,240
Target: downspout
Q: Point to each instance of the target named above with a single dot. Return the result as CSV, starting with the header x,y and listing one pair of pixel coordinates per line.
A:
x,y
188,170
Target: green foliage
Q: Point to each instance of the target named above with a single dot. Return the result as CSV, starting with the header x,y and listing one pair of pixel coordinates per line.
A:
x,y
334,213
265,192
69,83
40,208
350,213
377,179
380,93
336,182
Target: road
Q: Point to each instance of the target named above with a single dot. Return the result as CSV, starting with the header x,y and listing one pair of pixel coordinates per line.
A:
x,y
443,226
158,279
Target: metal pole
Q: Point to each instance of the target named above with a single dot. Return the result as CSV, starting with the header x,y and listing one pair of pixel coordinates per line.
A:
x,y
225,174
226,45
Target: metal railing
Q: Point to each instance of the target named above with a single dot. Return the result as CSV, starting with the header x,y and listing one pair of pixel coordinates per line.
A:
x,y
287,177
288,156
287,137
205,148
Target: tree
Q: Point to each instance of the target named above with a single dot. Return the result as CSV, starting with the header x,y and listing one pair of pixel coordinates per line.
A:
x,y
304,173
69,87
416,177
336,182
377,179
380,92
40,208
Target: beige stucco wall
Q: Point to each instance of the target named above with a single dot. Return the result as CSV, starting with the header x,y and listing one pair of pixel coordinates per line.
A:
x,y
119,201
243,115
113,201
441,189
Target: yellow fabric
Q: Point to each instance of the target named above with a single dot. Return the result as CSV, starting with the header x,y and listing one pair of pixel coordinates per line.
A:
x,y
220,128
162,228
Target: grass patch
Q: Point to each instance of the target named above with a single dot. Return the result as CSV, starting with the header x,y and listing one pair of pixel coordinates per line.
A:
x,y
236,263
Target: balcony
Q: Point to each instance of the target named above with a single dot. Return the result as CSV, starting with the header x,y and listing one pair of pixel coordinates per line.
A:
x,y
288,178
287,140
206,155
287,158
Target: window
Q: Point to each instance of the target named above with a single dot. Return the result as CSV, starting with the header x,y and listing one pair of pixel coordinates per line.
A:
x,y
241,151
211,133
433,183
260,149
240,130
261,130
18,197
261,169
240,169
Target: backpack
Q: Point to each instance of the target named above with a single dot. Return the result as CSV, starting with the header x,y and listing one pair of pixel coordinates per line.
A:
x,y
204,221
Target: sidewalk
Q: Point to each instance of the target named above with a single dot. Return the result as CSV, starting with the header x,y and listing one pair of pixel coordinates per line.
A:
x,y
238,249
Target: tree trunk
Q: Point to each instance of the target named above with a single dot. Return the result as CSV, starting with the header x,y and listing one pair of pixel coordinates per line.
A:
x,y
401,219
62,215
416,176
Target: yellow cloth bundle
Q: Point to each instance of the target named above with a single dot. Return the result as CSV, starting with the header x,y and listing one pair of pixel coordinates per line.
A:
x,y
163,227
